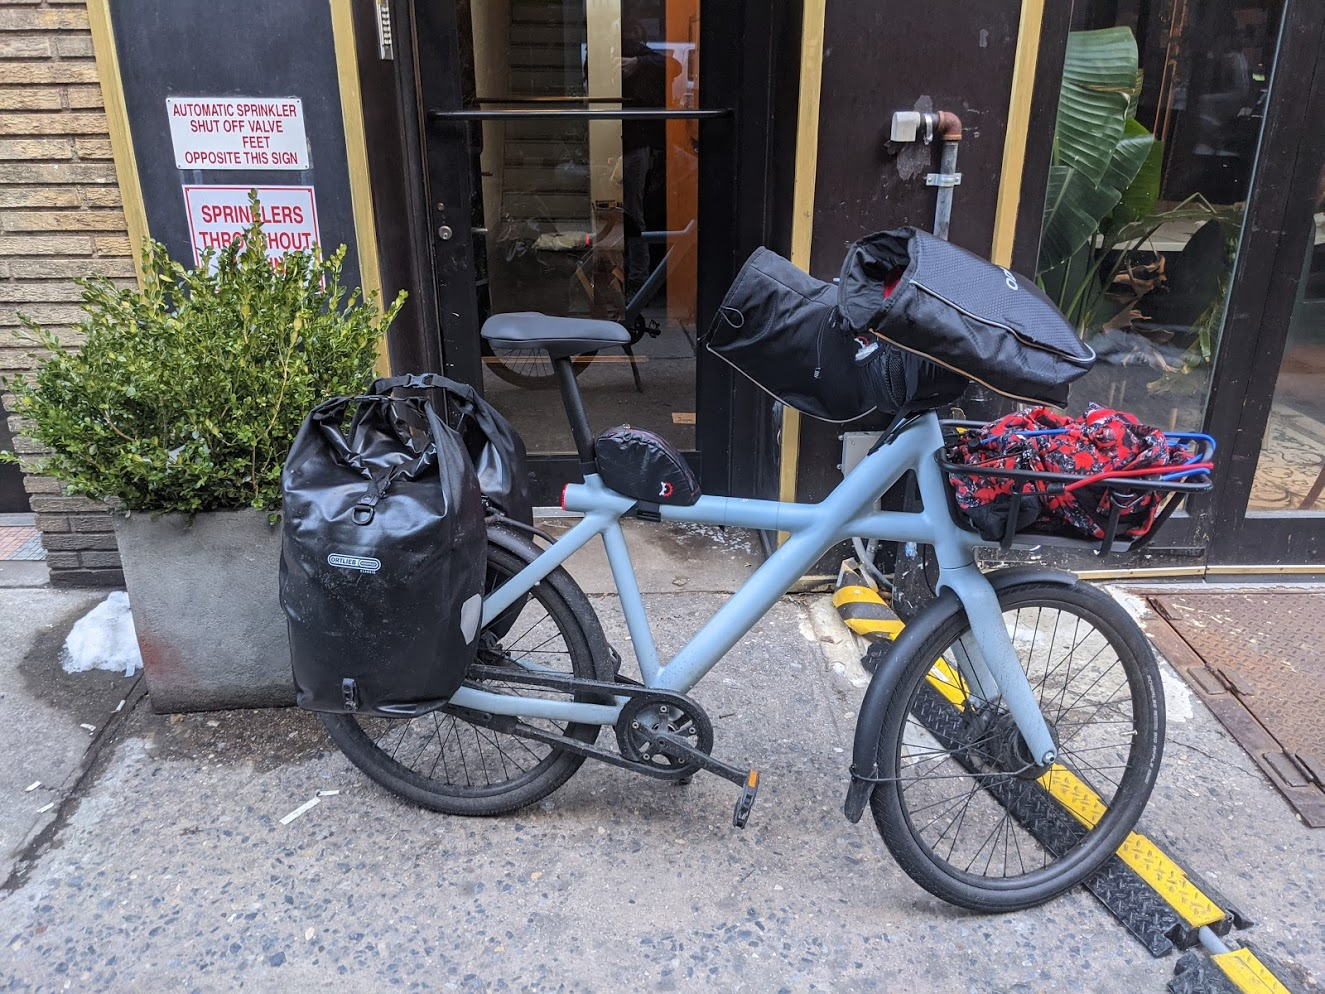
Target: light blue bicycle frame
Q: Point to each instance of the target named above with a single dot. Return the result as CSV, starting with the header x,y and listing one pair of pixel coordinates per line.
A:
x,y
850,511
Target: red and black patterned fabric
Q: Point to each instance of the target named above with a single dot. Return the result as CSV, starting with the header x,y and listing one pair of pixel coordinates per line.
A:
x,y
1043,440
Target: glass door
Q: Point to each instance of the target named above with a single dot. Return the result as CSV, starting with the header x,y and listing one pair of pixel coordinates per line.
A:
x,y
565,140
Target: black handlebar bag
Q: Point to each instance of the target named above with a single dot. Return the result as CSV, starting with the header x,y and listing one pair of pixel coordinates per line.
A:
x,y
383,557
783,329
936,300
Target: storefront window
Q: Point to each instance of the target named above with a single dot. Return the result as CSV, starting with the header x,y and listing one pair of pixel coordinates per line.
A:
x,y
1148,287
1290,475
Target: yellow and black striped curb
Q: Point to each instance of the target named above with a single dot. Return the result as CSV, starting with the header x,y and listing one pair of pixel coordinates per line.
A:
x,y
1161,904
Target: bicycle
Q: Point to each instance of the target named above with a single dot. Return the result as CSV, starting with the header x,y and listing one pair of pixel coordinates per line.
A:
x,y
530,369
1007,743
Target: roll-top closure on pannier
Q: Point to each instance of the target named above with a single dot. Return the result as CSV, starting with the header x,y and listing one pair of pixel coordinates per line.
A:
x,y
932,298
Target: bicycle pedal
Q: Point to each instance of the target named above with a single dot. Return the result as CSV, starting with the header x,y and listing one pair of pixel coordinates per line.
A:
x,y
746,801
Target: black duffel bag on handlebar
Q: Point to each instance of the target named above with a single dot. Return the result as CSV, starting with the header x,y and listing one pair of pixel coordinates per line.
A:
x,y
936,300
783,329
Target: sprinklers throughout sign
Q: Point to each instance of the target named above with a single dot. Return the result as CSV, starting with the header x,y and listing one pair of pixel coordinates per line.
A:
x,y
238,132
220,214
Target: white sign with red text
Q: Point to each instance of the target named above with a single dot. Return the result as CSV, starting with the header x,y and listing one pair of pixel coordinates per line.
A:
x,y
220,214
238,132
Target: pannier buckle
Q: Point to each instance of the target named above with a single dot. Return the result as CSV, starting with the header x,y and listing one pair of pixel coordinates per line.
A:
x,y
363,511
349,691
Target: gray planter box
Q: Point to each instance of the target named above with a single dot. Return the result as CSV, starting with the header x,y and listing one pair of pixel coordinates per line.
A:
x,y
206,608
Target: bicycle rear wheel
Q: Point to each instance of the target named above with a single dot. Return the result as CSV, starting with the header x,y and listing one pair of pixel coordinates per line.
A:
x,y
962,806
447,764
528,368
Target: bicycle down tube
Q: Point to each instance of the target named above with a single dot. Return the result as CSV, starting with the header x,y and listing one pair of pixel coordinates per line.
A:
x,y
849,511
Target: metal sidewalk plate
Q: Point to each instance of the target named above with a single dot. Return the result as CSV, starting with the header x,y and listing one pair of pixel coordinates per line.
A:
x,y
1254,658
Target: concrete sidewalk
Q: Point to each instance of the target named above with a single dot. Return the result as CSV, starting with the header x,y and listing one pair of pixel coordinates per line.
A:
x,y
167,868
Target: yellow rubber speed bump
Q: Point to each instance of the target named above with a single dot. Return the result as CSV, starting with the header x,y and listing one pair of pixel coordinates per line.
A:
x,y
1145,858
1247,973
949,683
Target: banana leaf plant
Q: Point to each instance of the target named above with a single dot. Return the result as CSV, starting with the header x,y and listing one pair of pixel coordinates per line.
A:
x,y
1105,169
1102,202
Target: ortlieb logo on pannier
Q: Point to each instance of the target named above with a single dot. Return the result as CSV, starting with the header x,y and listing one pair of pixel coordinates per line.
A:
x,y
364,564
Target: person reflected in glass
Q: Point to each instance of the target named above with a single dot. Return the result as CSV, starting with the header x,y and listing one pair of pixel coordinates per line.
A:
x,y
646,75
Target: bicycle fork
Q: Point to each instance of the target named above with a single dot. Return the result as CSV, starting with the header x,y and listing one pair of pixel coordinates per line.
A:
x,y
995,664
992,672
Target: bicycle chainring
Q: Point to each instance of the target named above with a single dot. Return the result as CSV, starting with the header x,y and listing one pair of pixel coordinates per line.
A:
x,y
663,715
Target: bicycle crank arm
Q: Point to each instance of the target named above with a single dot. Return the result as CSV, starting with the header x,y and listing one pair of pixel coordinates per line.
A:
x,y
748,780
675,745
510,725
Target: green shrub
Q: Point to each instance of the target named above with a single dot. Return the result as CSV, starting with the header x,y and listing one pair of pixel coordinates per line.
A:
x,y
186,394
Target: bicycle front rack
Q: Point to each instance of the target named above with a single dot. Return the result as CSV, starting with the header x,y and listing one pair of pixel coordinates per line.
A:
x,y
1178,481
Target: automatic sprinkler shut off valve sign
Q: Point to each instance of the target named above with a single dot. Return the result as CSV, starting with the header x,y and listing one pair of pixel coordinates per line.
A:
x,y
243,133
238,132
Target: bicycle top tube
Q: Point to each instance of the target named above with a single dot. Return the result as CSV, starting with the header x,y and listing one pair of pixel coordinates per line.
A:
x,y
848,511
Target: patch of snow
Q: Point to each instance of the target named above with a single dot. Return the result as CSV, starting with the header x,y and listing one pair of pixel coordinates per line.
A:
x,y
103,639
1177,697
842,648
738,539
1130,602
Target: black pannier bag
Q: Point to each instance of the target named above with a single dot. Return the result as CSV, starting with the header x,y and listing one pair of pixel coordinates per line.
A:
x,y
640,464
383,558
782,328
934,299
495,448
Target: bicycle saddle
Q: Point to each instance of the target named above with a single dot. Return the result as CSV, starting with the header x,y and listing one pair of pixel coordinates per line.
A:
x,y
561,337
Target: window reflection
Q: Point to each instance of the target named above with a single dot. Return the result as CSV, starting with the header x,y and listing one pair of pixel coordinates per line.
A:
x,y
1148,291
595,219
1290,474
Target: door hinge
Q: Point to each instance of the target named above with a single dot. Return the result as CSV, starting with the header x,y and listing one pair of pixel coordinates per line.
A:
x,y
385,45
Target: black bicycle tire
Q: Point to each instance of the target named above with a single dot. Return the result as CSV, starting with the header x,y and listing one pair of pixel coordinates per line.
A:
x,y
1001,895
509,374
552,773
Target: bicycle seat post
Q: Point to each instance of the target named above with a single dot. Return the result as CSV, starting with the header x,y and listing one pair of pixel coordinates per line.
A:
x,y
579,421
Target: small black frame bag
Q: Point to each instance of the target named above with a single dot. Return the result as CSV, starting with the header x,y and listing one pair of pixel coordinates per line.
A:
x,y
939,301
383,557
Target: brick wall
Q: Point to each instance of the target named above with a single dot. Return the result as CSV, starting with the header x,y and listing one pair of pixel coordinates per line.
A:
x,y
60,217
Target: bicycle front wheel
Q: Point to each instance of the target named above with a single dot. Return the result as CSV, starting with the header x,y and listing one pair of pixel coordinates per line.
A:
x,y
962,805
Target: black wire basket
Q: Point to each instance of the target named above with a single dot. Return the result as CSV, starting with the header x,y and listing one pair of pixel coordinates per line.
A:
x,y
1121,492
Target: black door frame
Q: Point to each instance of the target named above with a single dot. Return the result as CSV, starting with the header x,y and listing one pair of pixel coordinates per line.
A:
x,y
1267,271
742,203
